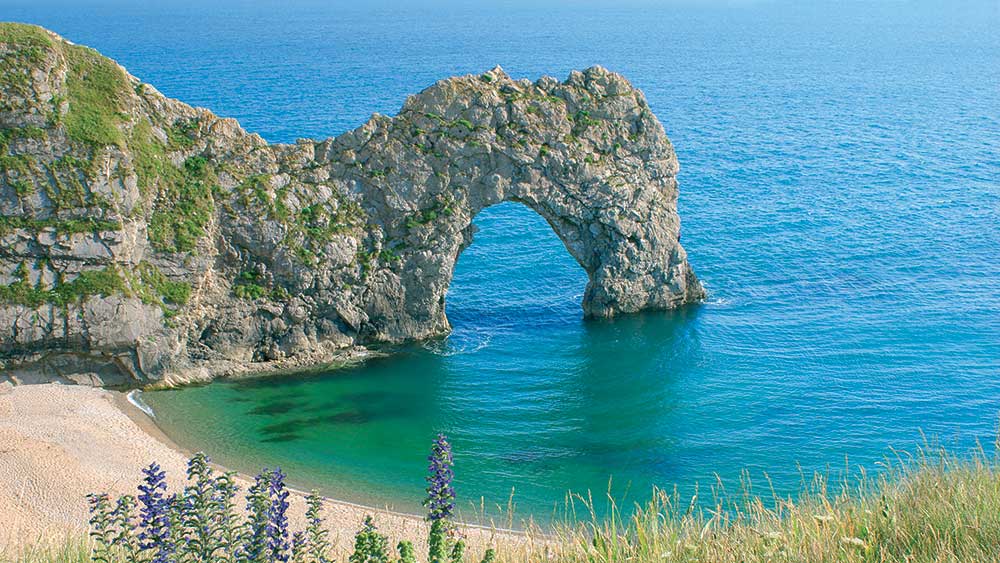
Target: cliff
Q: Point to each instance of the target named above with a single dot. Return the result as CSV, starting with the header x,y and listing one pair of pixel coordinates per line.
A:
x,y
142,239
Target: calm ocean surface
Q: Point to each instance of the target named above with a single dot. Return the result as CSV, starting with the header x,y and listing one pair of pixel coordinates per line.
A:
x,y
840,198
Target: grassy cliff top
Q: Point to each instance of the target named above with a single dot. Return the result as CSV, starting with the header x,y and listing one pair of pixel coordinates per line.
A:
x,y
97,89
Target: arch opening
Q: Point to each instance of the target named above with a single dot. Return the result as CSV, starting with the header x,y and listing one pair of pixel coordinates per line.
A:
x,y
514,270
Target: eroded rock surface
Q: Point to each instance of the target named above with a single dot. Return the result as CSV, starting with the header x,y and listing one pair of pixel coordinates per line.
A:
x,y
143,239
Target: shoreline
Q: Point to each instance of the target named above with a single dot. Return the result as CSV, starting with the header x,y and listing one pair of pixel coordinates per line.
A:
x,y
147,422
60,442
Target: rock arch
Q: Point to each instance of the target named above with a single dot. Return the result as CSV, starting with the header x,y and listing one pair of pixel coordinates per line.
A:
x,y
586,154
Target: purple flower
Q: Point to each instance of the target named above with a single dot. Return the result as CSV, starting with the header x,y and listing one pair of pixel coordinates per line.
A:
x,y
258,509
440,501
198,510
125,527
277,522
101,524
154,520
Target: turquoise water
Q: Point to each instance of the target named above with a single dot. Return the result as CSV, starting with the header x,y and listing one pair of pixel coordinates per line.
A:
x,y
840,199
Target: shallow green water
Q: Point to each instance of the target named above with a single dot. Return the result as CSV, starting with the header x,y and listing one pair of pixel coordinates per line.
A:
x,y
561,402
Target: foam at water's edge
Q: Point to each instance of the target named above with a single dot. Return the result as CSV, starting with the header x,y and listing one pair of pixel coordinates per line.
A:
x,y
137,402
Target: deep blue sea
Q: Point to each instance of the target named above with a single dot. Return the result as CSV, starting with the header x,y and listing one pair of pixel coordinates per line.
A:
x,y
840,199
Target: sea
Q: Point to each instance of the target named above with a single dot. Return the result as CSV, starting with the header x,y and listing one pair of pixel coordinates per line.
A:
x,y
840,199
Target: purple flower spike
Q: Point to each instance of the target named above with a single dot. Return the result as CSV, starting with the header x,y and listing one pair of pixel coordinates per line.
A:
x,y
440,501
277,524
154,520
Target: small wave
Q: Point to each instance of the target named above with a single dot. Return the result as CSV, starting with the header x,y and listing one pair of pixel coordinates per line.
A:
x,y
714,299
471,344
718,301
134,398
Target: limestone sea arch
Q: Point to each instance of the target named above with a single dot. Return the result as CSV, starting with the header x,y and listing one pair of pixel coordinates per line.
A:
x,y
143,239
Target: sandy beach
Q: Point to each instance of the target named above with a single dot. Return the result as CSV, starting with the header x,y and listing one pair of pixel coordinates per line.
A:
x,y
60,442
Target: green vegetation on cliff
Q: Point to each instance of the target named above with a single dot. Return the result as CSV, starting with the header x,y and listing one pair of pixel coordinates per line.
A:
x,y
31,40
26,132
95,111
105,282
251,286
97,88
307,230
18,169
66,188
180,199
354,233
183,207
26,47
147,283
149,157
154,288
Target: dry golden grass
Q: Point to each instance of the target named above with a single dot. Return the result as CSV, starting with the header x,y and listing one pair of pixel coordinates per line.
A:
x,y
929,507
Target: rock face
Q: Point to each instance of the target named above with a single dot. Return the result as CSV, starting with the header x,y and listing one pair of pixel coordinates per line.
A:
x,y
142,239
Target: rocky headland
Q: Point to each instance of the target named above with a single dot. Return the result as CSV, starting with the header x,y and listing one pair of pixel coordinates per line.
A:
x,y
144,240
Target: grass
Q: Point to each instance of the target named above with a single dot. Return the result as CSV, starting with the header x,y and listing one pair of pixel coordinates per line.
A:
x,y
248,286
67,191
26,46
20,164
307,230
443,206
71,551
25,36
932,506
180,134
26,132
147,283
182,198
177,293
184,208
178,200
154,288
105,282
253,193
19,169
150,158
97,89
